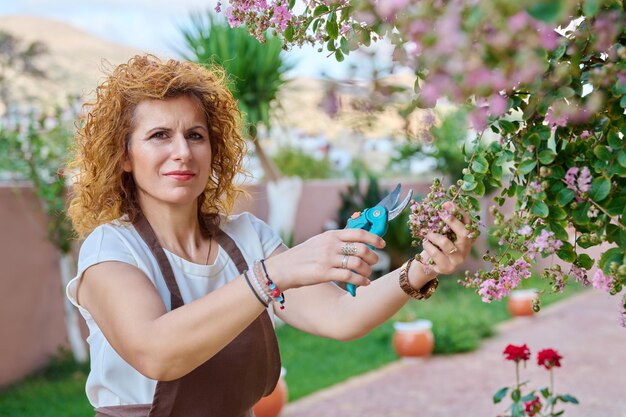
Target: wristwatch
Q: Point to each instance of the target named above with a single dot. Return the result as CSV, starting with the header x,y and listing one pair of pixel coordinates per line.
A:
x,y
423,293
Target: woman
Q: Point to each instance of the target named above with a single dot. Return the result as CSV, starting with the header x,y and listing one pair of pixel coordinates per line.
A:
x,y
179,296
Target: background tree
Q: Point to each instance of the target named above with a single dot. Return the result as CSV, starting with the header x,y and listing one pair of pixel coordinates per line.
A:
x,y
548,77
17,60
256,72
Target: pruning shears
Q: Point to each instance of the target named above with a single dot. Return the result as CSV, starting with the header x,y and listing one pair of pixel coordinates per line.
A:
x,y
376,219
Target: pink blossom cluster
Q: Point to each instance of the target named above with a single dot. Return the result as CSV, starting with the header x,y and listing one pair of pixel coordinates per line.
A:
x,y
601,281
259,15
509,278
580,275
578,180
426,217
544,243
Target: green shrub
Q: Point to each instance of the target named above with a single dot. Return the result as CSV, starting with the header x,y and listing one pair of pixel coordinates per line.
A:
x,y
295,162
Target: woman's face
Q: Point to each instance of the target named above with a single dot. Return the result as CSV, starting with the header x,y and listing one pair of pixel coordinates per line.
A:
x,y
169,152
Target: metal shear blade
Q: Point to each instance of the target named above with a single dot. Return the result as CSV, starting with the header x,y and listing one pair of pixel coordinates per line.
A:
x,y
390,202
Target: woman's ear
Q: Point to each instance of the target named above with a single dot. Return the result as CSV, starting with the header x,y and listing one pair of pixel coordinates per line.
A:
x,y
126,164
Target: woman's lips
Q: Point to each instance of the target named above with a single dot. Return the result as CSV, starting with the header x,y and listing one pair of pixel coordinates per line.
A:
x,y
181,175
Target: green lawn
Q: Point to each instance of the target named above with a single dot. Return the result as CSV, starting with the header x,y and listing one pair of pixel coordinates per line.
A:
x,y
459,318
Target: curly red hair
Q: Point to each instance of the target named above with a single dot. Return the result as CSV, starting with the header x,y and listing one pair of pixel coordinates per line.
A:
x,y
102,191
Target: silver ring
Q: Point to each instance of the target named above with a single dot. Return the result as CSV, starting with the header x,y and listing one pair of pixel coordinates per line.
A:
x,y
344,262
453,250
348,249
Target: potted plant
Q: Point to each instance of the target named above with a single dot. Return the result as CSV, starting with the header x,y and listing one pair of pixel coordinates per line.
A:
x,y
271,405
520,302
412,337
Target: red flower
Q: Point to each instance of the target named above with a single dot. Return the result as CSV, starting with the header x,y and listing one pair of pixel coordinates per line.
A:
x,y
516,353
532,407
549,358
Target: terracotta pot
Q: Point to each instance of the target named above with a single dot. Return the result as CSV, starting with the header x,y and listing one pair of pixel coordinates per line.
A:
x,y
413,339
271,405
520,302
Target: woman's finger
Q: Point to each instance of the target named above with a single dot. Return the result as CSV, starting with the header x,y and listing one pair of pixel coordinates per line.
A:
x,y
347,276
444,244
434,252
359,249
360,235
355,264
458,227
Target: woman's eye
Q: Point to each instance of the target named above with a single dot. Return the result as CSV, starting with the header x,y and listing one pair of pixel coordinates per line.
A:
x,y
196,136
158,135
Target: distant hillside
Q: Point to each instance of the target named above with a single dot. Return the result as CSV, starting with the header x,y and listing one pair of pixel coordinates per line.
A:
x,y
75,58
77,62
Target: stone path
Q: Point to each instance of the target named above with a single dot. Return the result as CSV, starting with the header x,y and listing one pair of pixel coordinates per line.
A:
x,y
583,329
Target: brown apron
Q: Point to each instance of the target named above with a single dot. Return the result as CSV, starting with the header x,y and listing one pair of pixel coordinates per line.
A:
x,y
229,383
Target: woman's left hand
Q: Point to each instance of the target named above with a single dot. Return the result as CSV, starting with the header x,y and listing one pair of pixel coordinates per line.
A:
x,y
447,255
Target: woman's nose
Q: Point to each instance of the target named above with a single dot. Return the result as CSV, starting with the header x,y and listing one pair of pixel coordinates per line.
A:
x,y
180,148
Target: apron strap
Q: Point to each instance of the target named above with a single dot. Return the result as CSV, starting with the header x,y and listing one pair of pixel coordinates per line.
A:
x,y
146,232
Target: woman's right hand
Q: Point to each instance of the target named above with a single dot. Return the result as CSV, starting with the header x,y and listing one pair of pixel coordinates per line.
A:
x,y
320,259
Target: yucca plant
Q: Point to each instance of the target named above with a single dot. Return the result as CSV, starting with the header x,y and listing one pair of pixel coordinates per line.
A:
x,y
256,70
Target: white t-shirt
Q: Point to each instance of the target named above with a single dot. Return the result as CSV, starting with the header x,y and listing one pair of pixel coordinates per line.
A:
x,y
112,381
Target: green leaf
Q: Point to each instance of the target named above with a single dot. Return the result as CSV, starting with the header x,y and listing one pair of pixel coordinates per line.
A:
x,y
557,213
614,141
496,172
479,191
579,215
288,33
546,10
527,166
600,189
546,156
611,255
621,157
291,3
498,396
545,392
319,10
591,7
615,205
621,240
584,261
559,231
507,126
602,152
566,252
539,208
622,101
568,399
339,55
516,394
331,28
480,164
564,196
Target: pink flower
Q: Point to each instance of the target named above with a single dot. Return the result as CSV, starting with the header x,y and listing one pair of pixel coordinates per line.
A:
x,y
525,230
584,180
497,105
554,119
281,17
601,281
478,118
387,9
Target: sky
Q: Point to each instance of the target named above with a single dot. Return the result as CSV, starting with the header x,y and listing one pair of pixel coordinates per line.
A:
x,y
153,25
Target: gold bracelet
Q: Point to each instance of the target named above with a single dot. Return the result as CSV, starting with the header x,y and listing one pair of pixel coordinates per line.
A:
x,y
423,293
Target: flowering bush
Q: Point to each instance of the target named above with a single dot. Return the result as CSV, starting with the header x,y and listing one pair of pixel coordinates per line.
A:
x,y
540,403
547,77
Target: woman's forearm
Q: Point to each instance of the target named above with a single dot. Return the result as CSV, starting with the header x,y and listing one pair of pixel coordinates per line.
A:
x,y
376,303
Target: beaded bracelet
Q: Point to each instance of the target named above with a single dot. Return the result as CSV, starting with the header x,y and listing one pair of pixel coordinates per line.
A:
x,y
245,274
253,272
275,292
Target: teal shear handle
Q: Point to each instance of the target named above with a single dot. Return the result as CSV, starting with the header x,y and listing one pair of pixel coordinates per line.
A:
x,y
373,220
